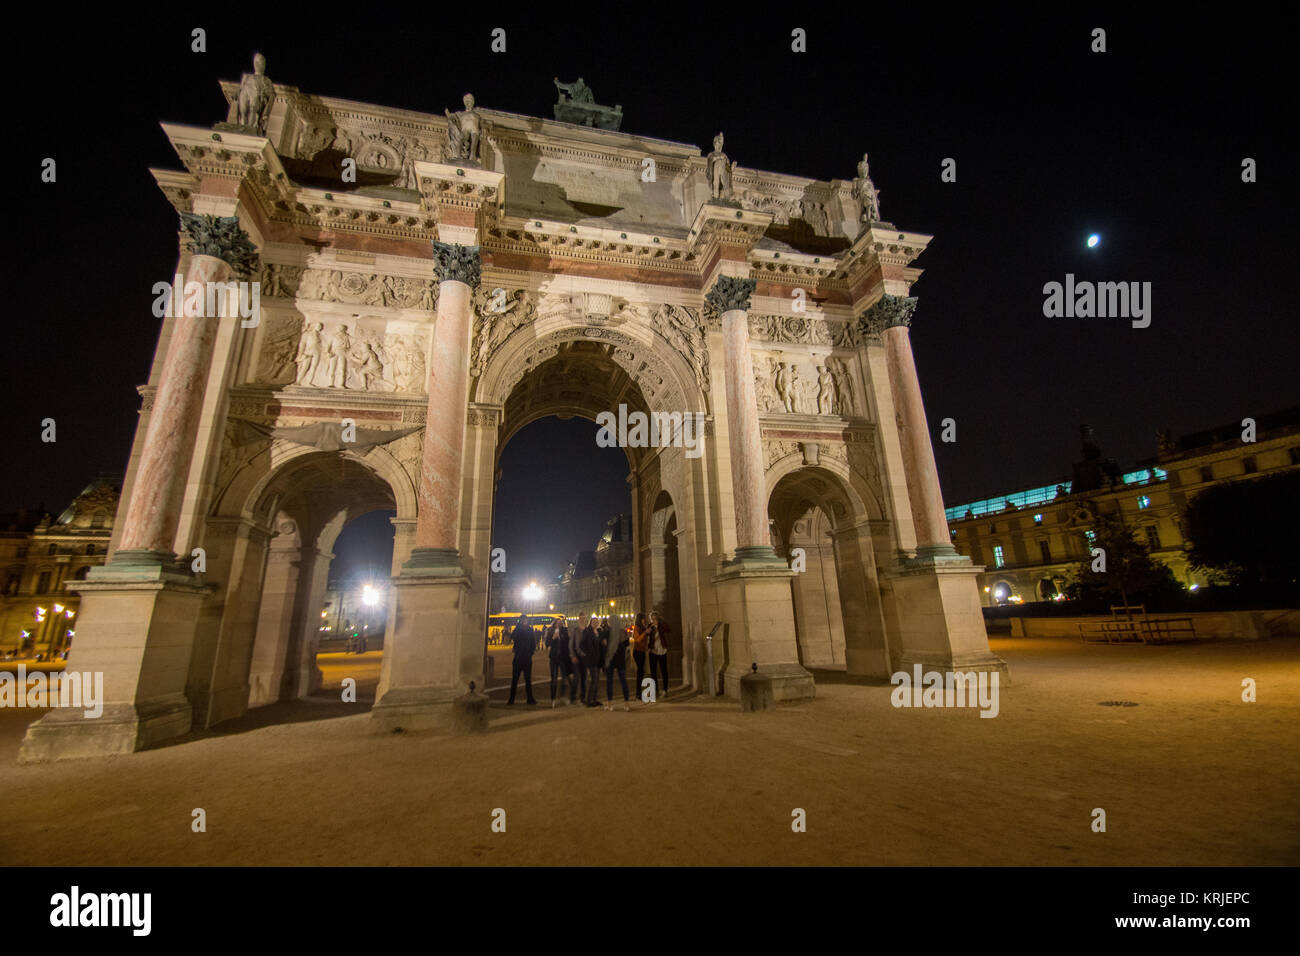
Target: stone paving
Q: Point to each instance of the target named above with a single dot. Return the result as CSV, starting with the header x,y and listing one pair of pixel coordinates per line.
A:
x,y
1190,775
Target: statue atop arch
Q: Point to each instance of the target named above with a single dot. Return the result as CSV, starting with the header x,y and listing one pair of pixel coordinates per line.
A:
x,y
252,107
465,133
577,105
718,168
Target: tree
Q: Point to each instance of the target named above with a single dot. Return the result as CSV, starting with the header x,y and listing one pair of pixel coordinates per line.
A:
x,y
1131,575
1247,531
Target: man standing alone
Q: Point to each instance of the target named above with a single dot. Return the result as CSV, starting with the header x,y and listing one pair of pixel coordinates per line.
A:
x,y
524,640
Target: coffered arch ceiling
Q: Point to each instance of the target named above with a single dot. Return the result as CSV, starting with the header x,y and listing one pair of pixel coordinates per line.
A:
x,y
581,378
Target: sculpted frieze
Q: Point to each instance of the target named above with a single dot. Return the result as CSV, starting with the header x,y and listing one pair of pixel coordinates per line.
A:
x,y
362,358
806,388
359,288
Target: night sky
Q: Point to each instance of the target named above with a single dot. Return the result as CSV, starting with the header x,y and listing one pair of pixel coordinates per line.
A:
x,y
1142,144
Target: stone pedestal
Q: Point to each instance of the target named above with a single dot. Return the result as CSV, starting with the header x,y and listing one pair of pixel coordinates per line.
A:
x,y
940,621
421,676
136,628
754,600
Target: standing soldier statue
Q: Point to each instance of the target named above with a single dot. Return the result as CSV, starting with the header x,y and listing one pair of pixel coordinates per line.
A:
x,y
719,170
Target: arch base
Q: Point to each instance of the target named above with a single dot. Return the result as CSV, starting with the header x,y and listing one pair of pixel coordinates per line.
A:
x,y
140,636
422,670
755,604
939,619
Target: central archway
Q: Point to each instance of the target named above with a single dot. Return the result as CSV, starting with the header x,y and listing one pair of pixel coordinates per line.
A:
x,y
556,367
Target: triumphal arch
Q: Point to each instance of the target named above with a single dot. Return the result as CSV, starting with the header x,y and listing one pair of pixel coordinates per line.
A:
x,y
427,284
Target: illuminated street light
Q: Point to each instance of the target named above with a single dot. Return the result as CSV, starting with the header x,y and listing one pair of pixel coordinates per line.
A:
x,y
370,596
532,592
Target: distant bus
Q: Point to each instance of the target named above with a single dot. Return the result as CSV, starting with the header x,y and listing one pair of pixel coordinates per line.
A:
x,y
500,625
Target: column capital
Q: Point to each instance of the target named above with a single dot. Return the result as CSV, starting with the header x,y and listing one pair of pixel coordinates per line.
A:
x,y
730,293
887,312
456,263
220,237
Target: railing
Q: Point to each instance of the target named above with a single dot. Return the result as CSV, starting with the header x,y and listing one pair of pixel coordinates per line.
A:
x,y
1146,630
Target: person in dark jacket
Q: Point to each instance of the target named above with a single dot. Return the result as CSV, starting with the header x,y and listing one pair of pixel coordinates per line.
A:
x,y
591,654
557,644
615,660
524,639
578,670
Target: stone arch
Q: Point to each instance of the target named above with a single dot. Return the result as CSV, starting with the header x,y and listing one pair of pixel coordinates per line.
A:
x,y
658,368
269,546
859,497
839,614
274,459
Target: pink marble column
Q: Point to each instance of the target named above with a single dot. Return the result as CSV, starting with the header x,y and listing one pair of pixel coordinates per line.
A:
x,y
731,297
439,494
932,536
159,489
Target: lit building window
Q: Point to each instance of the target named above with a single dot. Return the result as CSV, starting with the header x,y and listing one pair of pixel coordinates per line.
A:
x,y
1091,536
1144,502
997,556
1038,519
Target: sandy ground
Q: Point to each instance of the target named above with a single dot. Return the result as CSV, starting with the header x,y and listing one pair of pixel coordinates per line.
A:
x,y
1192,775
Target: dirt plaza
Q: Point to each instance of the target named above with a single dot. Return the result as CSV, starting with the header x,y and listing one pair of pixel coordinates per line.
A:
x,y
1159,737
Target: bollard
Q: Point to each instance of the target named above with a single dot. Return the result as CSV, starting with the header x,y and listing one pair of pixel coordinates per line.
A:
x,y
469,713
755,691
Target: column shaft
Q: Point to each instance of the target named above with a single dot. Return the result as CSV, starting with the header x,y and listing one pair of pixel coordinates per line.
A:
x,y
914,435
745,441
444,434
159,490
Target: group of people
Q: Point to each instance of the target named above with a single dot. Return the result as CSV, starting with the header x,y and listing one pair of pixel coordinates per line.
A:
x,y
578,655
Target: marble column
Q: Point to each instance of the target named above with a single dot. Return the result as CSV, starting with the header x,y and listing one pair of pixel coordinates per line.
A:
x,y
438,521
730,296
154,509
140,611
892,316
